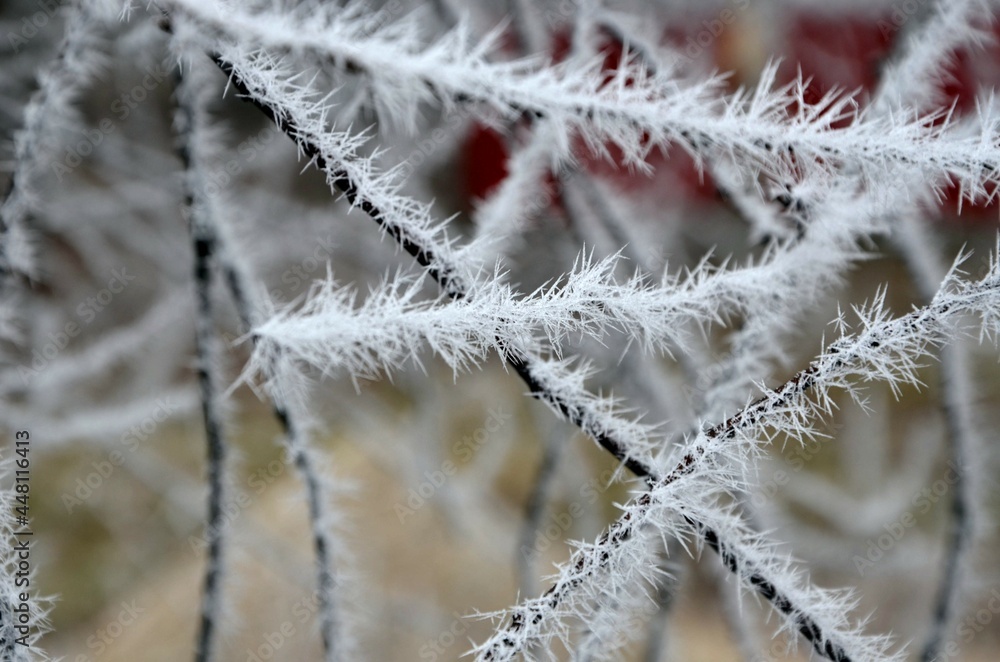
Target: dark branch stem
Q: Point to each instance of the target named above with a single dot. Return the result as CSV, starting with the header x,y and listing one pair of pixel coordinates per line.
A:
x,y
204,248
918,248
522,364
535,507
959,536
310,476
240,293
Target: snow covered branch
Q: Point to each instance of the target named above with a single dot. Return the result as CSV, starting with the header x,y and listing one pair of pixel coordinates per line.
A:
x,y
685,502
572,192
635,110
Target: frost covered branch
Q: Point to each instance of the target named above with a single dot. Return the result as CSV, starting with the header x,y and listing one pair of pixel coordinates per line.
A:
x,y
914,79
291,415
544,378
684,502
589,144
634,110
49,111
204,244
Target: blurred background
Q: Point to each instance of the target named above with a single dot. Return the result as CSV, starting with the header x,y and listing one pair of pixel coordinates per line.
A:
x,y
435,472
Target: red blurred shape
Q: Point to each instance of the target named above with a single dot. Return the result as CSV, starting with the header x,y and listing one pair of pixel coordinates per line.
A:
x,y
484,162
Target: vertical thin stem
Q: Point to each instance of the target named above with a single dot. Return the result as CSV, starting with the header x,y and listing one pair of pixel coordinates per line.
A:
x,y
240,290
960,529
203,247
203,239
665,598
534,509
917,248
316,498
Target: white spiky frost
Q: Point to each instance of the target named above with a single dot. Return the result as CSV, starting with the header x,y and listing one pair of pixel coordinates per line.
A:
x,y
634,110
686,500
331,332
770,133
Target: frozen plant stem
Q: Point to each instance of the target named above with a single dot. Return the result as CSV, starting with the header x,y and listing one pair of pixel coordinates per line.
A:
x,y
534,508
917,245
658,630
316,494
204,247
69,71
194,90
913,77
525,366
960,531
885,349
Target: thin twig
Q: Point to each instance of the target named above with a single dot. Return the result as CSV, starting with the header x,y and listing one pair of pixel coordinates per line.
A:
x,y
912,79
316,495
294,436
917,247
58,82
535,507
524,364
204,248
960,532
